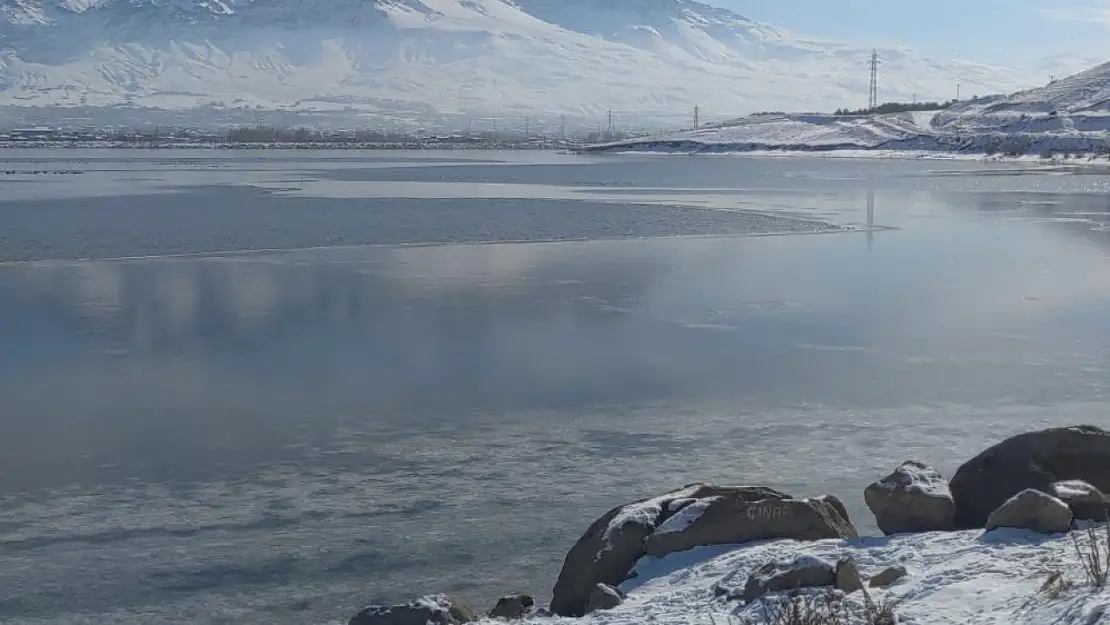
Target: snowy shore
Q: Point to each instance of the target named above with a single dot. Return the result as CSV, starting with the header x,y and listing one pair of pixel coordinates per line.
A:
x,y
1017,536
954,578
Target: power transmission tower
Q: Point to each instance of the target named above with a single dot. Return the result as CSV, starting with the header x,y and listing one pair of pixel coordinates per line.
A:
x,y
873,93
610,122
697,112
563,126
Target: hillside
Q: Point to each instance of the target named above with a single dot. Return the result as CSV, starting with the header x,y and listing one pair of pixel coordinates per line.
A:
x,y
1071,115
434,61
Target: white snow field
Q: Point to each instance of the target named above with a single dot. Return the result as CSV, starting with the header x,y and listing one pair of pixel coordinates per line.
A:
x,y
649,61
1071,115
954,578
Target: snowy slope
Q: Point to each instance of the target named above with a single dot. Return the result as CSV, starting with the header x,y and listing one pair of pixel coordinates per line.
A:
x,y
1076,104
647,60
1071,115
960,578
799,131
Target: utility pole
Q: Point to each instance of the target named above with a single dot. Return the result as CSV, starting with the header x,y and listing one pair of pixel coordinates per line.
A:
x,y
873,93
697,112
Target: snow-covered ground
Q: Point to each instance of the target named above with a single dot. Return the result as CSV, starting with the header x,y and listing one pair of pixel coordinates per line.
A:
x,y
957,578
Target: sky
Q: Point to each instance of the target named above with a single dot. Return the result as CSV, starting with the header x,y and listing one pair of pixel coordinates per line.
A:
x,y
1003,32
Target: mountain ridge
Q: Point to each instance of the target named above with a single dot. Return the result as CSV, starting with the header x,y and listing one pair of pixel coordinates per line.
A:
x,y
427,61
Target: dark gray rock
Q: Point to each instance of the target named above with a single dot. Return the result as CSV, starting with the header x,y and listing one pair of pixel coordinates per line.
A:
x,y
887,577
1036,460
848,579
432,609
914,498
806,572
1032,510
513,607
604,597
1087,503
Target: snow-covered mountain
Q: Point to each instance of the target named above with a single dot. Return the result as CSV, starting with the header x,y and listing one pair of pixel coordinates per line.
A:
x,y
650,61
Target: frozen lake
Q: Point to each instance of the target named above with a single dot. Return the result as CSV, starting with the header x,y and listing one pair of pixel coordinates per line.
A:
x,y
272,387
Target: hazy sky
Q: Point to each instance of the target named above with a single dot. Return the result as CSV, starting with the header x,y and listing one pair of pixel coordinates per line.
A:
x,y
993,31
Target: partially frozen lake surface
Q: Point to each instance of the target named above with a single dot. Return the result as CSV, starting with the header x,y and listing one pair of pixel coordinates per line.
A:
x,y
270,387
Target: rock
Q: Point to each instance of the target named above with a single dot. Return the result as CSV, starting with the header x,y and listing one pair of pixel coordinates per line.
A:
x,y
726,520
848,579
604,597
433,609
914,498
887,577
513,607
1031,509
1034,460
804,572
1087,503
612,545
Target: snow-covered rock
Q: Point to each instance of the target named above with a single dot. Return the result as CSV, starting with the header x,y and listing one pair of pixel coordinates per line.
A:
x,y
1087,503
1033,510
440,59
913,498
694,516
429,610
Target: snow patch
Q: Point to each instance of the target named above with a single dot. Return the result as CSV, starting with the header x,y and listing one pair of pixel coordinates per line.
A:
x,y
686,516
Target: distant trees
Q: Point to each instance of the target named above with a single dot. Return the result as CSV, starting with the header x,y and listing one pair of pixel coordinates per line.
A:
x,y
897,107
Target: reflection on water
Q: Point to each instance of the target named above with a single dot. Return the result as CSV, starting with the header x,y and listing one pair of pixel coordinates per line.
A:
x,y
263,438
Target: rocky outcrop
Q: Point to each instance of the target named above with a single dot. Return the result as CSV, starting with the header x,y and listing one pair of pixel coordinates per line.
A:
x,y
698,515
513,607
887,577
914,498
848,579
433,610
1036,460
1033,510
604,597
779,576
1087,503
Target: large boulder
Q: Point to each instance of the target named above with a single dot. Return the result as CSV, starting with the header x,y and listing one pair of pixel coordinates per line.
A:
x,y
429,610
1033,510
693,516
729,520
1087,503
1034,460
914,498
804,572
